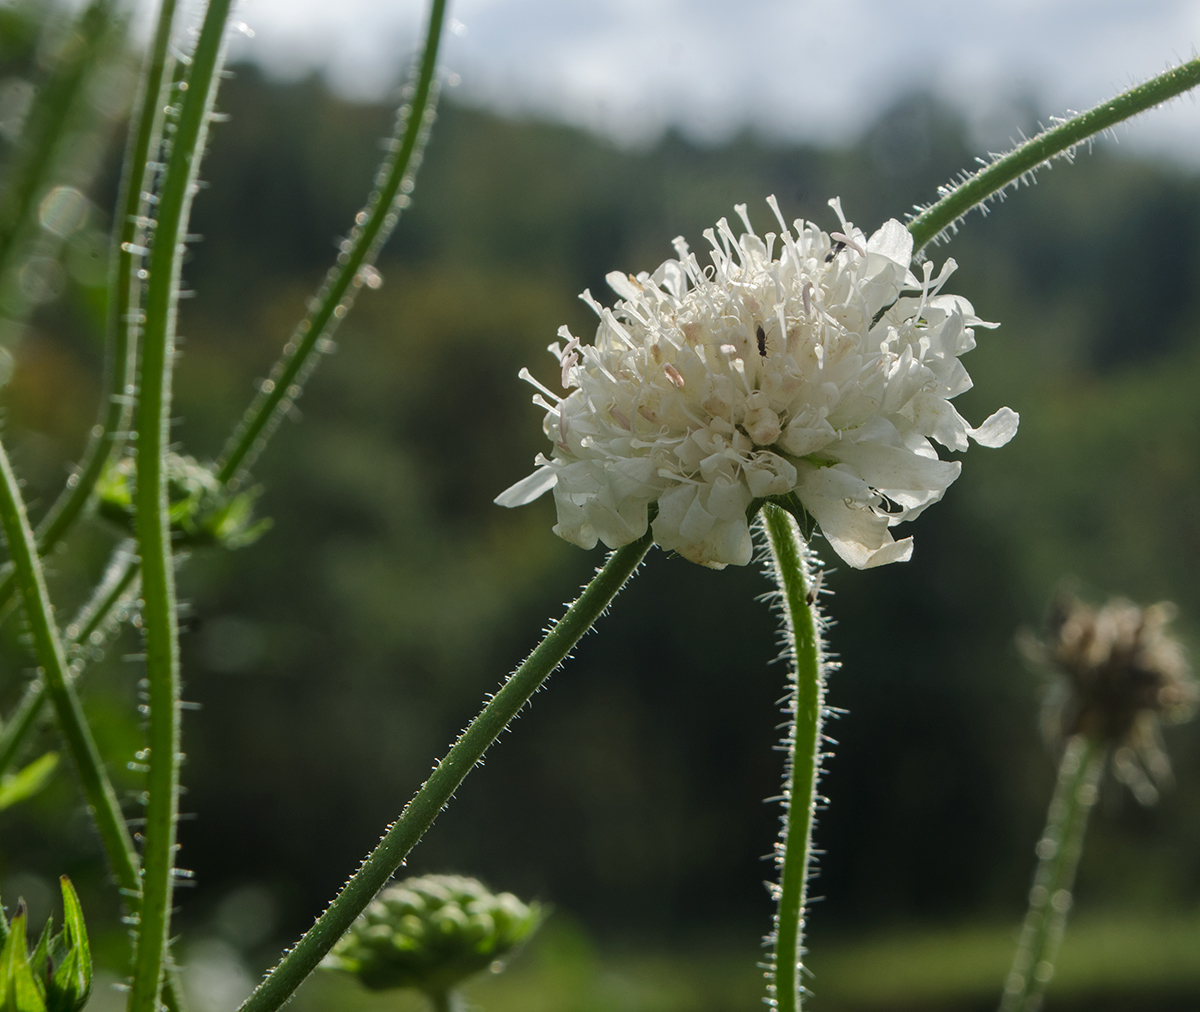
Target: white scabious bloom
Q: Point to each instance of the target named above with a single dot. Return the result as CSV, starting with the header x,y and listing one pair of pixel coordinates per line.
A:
x,y
822,373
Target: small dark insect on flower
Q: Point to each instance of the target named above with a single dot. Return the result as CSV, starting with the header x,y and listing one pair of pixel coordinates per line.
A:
x,y
837,248
815,590
762,341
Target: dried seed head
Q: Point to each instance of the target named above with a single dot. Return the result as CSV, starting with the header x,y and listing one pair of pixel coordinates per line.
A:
x,y
1121,675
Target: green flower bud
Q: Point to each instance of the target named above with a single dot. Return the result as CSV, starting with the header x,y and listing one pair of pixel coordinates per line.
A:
x,y
431,933
202,511
57,975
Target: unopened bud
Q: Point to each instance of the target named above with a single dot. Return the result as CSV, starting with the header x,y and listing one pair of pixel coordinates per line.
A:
x,y
431,933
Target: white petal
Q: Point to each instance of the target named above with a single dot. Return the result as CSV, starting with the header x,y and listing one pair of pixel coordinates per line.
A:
x,y
618,524
936,417
800,440
893,241
892,467
769,474
997,429
855,531
621,284
673,506
573,525
528,488
728,498
728,544
897,551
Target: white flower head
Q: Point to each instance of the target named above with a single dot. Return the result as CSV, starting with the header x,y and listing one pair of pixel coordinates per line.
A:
x,y
807,364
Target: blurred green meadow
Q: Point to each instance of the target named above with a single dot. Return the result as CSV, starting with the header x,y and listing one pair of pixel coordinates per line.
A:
x,y
335,658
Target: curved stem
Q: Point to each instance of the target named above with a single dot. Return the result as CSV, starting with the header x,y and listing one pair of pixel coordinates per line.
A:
x,y
119,583
791,565
373,226
1058,857
23,720
972,189
97,788
419,813
153,520
54,669
108,434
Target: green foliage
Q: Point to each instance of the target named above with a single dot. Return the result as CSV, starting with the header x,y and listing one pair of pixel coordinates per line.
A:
x,y
202,511
26,782
431,933
57,975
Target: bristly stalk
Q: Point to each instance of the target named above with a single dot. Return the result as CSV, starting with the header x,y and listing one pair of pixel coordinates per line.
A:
x,y
1058,852
116,412
52,660
372,227
119,584
124,288
153,521
791,565
972,190
397,172
418,815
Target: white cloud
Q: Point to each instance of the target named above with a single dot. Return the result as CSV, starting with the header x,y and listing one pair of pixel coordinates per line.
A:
x,y
791,68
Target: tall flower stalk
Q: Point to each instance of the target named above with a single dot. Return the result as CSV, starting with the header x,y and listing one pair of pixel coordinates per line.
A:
x,y
372,227
124,289
974,189
58,676
1117,674
791,564
1058,852
160,616
418,815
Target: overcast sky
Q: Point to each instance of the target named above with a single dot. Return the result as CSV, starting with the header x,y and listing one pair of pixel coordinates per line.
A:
x,y
796,69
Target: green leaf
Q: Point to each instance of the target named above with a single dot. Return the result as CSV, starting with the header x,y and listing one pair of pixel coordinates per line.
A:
x,y
71,986
41,955
20,990
25,783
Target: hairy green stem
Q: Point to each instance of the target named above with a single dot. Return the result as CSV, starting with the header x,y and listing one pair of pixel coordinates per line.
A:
x,y
418,815
107,436
22,722
129,236
52,660
1058,853
120,581
791,566
970,191
372,227
344,277
153,520
58,678
394,180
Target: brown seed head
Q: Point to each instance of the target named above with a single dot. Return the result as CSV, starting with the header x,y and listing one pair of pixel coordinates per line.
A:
x,y
1122,674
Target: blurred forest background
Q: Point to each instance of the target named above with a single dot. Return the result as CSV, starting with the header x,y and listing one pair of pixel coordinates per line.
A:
x,y
336,657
